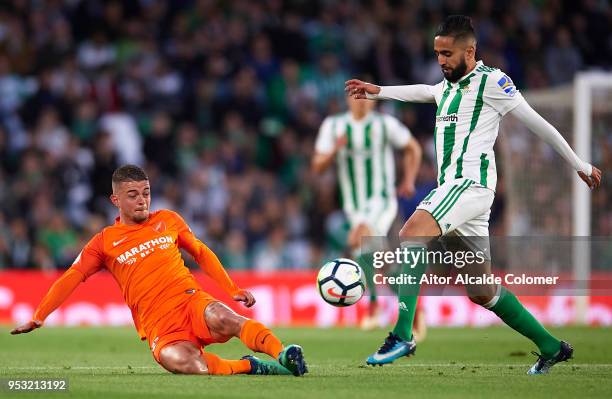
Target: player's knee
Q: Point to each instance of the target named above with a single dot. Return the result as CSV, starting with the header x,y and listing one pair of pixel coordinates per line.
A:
x,y
413,231
357,234
352,241
223,322
182,362
480,299
406,231
422,226
191,366
228,324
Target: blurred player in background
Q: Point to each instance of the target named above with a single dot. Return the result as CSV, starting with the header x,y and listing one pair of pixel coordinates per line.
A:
x,y
170,309
361,141
471,101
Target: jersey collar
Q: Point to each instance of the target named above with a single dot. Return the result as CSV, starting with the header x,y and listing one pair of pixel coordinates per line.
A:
x,y
134,226
363,121
467,75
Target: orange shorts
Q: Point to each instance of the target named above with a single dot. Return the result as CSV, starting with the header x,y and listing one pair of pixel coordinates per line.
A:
x,y
185,323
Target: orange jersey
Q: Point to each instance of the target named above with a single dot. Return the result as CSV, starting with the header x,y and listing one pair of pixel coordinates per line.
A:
x,y
146,262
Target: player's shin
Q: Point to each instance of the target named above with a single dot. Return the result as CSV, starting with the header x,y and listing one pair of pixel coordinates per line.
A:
x,y
260,338
366,261
508,308
408,292
219,366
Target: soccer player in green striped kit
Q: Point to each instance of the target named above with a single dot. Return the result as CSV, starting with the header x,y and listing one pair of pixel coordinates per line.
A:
x,y
361,141
471,100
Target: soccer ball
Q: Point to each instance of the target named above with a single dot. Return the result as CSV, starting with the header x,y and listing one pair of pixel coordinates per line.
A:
x,y
341,282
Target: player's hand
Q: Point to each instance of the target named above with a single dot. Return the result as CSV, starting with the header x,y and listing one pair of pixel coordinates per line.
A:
x,y
27,327
406,189
357,88
246,297
592,181
341,142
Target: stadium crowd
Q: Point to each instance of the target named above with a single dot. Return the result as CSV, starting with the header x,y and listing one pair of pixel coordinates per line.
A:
x,y
221,102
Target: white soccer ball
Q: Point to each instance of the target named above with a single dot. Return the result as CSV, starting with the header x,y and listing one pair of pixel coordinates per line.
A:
x,y
341,282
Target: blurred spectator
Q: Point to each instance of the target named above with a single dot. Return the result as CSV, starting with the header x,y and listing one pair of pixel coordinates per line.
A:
x,y
84,123
5,252
234,253
329,80
288,91
50,135
272,253
159,145
60,240
563,59
96,52
262,59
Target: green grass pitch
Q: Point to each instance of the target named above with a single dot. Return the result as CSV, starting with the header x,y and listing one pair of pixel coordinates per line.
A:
x,y
453,362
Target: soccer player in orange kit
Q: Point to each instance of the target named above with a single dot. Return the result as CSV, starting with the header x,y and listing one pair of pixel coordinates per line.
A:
x,y
169,308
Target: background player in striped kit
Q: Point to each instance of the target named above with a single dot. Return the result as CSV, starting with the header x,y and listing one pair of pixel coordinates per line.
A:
x,y
471,101
362,142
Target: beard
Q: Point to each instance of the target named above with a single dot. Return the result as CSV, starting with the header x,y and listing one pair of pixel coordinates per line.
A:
x,y
140,217
456,73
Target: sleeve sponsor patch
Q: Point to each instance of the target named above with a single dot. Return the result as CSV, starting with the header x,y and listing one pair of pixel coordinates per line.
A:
x,y
507,85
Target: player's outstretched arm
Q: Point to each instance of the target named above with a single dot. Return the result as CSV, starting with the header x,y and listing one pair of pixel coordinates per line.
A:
x,y
360,90
537,124
210,264
59,291
409,93
27,327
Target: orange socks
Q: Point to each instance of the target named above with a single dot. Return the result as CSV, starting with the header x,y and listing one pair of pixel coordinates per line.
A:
x,y
256,337
259,338
218,366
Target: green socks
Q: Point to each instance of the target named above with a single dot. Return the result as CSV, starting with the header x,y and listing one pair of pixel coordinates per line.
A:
x,y
505,305
408,294
366,261
514,314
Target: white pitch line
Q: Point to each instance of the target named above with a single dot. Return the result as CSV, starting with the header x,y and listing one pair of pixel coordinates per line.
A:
x,y
467,365
80,368
406,365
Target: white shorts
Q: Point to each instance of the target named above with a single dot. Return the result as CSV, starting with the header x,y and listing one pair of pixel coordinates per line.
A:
x,y
379,217
461,206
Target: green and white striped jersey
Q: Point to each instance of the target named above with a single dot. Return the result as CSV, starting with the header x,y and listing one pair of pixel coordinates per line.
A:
x,y
366,168
467,123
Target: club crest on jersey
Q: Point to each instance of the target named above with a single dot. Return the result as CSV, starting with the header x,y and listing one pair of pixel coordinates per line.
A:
x,y
130,256
465,90
160,227
507,85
